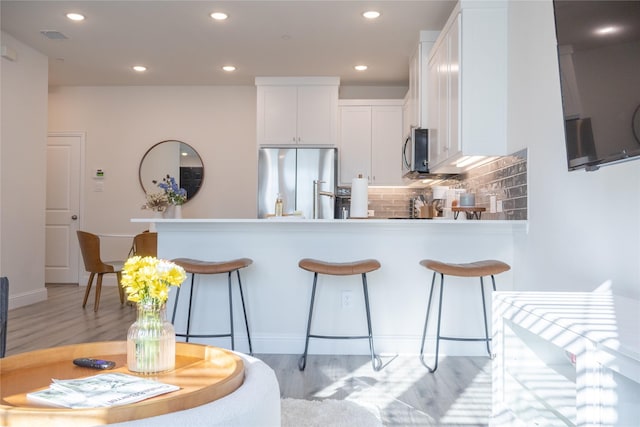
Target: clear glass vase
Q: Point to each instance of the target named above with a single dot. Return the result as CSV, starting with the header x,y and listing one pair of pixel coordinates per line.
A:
x,y
151,340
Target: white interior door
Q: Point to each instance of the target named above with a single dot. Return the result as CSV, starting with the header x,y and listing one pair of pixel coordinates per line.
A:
x,y
62,253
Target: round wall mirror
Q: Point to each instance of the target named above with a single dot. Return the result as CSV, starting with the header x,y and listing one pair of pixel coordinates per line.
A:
x,y
174,158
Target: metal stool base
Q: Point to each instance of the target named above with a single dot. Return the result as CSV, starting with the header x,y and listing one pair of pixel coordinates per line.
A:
x,y
439,337
376,363
231,334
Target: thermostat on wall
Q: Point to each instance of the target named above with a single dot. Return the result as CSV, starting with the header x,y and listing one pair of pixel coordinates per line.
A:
x,y
99,174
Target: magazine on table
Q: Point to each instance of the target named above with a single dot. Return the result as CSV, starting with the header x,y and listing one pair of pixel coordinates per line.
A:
x,y
100,390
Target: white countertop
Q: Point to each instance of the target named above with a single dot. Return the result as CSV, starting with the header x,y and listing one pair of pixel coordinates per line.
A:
x,y
518,223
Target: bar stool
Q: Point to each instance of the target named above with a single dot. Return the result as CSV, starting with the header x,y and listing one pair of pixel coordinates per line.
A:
x,y
194,266
340,269
473,269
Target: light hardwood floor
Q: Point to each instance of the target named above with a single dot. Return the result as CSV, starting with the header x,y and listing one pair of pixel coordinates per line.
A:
x,y
403,393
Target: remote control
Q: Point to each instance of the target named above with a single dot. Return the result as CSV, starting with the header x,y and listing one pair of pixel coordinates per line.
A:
x,y
94,363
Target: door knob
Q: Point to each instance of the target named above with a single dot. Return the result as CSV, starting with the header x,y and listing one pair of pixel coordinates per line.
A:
x,y
74,217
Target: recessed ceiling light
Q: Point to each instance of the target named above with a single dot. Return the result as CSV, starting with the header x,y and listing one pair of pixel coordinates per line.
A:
x,y
139,68
219,16
75,16
229,68
371,14
607,30
360,67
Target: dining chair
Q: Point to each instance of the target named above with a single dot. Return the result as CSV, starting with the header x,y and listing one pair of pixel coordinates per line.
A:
x,y
90,248
145,244
4,311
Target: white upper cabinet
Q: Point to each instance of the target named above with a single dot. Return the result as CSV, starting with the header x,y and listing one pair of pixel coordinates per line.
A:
x,y
355,142
386,145
444,142
468,75
417,106
370,138
297,111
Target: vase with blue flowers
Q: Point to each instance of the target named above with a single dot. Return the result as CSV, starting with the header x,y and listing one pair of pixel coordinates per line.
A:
x,y
176,196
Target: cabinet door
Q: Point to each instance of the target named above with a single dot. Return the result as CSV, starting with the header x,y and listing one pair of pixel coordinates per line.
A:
x,y
355,142
442,74
317,115
277,115
434,111
386,145
414,89
453,77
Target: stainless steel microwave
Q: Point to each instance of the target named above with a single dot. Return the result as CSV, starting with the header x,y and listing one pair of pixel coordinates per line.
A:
x,y
415,151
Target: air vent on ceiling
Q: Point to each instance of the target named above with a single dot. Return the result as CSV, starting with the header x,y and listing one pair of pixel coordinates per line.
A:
x,y
54,35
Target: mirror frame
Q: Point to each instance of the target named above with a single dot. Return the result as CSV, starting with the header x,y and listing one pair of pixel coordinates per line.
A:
x,y
146,191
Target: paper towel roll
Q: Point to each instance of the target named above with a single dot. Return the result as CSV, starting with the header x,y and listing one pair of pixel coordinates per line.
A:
x,y
359,198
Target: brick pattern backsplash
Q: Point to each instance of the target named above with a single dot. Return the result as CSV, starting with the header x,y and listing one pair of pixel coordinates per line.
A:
x,y
392,202
504,177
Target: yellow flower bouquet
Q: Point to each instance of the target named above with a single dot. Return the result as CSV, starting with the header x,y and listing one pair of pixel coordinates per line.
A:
x,y
151,340
147,279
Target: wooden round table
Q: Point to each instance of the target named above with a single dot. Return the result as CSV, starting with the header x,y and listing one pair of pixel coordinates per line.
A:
x,y
203,373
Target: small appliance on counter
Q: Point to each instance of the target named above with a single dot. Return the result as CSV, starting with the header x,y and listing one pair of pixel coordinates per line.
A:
x,y
439,200
343,202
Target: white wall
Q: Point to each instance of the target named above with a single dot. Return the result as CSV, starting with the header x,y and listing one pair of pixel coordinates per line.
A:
x,y
583,226
22,172
123,122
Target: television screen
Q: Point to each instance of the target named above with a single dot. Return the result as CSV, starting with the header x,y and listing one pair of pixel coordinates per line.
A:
x,y
599,56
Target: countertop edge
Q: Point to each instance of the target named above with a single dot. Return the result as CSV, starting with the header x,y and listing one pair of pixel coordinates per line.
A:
x,y
327,221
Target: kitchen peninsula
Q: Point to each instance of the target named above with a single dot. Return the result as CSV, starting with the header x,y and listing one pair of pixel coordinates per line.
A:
x,y
277,291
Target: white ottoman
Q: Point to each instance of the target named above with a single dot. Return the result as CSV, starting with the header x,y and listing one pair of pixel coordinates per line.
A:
x,y
255,403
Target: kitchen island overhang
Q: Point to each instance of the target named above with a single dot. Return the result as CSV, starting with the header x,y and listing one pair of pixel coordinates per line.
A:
x,y
277,291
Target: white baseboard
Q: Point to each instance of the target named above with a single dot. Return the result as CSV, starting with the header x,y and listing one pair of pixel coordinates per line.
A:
x,y
27,298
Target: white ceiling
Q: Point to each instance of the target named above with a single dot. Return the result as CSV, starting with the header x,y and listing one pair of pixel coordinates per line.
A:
x,y
181,45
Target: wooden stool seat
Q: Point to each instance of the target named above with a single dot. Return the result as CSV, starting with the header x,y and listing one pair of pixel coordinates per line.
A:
x,y
211,267
361,267
196,266
473,269
339,268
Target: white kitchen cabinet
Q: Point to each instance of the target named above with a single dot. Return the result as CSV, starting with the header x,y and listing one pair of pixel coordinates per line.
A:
x,y
417,95
297,111
565,359
371,141
468,72
444,101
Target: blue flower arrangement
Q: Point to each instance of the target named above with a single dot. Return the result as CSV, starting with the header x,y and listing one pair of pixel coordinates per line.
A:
x,y
175,194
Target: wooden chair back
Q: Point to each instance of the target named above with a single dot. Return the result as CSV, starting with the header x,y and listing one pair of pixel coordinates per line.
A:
x,y
90,248
4,311
145,244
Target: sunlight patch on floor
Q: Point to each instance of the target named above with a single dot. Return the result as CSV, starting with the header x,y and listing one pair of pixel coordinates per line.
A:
x,y
474,404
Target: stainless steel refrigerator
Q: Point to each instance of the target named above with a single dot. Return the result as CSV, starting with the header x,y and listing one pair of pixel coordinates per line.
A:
x,y
303,177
